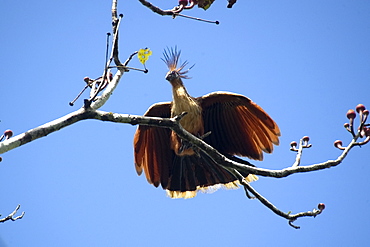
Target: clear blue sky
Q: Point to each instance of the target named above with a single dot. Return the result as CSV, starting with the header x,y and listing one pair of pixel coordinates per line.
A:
x,y
305,62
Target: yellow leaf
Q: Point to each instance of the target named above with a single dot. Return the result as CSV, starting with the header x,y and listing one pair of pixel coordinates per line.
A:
x,y
143,55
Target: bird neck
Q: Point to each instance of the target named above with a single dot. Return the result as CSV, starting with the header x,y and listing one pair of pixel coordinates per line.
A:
x,y
180,94
183,102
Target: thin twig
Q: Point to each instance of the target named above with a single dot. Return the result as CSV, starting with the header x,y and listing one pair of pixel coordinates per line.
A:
x,y
303,143
174,12
91,104
116,23
11,215
114,56
299,154
156,9
272,207
197,19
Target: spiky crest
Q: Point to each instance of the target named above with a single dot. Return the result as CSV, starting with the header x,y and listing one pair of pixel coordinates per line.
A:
x,y
171,58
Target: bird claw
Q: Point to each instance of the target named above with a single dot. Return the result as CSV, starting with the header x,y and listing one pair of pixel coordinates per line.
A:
x,y
188,145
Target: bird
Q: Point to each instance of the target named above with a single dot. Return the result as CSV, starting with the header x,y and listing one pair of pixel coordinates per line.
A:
x,y
231,123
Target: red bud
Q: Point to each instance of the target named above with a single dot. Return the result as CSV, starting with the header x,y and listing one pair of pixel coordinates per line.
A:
x,y
367,131
293,144
8,133
87,79
338,144
321,206
360,108
351,114
306,138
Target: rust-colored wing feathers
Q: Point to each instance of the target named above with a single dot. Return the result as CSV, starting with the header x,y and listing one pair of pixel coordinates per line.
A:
x,y
152,147
238,126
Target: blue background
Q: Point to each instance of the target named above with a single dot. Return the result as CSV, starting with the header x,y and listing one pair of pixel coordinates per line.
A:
x,y
305,62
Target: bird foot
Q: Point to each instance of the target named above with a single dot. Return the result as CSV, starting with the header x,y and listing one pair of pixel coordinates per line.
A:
x,y
188,148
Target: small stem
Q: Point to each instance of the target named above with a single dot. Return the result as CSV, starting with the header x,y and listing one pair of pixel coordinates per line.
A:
x,y
156,9
197,19
129,58
114,55
273,208
11,216
128,68
78,96
351,127
299,154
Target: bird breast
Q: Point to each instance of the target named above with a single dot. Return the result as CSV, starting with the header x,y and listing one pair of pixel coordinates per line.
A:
x,y
192,122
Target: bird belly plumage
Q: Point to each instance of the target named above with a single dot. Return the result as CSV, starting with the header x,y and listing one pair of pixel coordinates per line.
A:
x,y
191,122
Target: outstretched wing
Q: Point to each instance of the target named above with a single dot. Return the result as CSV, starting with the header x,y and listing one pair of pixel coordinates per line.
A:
x,y
238,126
181,176
152,151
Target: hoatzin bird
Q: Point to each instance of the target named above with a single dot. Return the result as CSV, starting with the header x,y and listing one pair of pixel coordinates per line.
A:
x,y
237,126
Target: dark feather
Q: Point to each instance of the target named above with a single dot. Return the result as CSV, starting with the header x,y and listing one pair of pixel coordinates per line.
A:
x,y
238,126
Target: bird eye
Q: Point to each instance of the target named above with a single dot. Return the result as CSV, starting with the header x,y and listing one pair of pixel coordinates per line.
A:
x,y
171,75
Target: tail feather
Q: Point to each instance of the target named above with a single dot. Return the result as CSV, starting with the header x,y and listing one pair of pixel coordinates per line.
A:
x,y
191,174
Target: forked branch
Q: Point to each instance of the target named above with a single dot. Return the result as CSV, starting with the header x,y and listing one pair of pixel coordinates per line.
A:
x,y
290,217
176,11
11,215
173,124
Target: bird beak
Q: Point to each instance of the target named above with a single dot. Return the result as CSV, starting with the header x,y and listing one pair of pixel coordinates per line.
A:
x,y
170,76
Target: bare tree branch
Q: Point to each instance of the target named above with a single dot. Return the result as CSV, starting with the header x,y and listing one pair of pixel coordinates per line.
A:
x,y
174,125
269,205
105,78
155,9
175,11
11,215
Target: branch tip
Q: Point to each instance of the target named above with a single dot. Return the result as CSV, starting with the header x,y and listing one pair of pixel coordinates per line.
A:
x,y
11,215
338,144
292,225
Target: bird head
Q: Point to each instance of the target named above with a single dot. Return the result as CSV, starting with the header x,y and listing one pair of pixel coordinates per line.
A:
x,y
175,73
